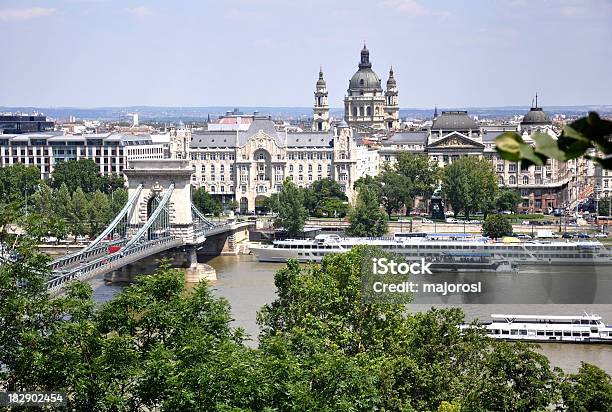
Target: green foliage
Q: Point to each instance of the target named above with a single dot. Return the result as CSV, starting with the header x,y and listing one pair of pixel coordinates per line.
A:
x,y
508,199
577,138
98,213
422,175
588,390
470,184
604,206
83,174
206,203
156,346
496,226
291,211
325,198
366,218
78,213
394,190
17,181
232,205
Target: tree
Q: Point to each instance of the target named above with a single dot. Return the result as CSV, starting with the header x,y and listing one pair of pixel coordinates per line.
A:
x,y
62,204
422,174
118,199
588,390
332,208
604,206
83,173
321,192
577,139
206,203
394,190
233,205
291,211
496,226
79,212
470,184
43,199
366,219
508,199
18,181
271,203
111,183
98,213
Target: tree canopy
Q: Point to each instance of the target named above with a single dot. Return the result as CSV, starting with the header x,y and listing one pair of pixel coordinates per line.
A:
x,y
366,218
205,202
470,184
291,211
157,346
496,226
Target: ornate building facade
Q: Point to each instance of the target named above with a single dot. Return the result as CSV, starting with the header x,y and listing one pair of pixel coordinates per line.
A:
x,y
454,134
250,165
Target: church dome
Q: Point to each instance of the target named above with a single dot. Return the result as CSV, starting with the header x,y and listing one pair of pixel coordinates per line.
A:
x,y
365,78
536,116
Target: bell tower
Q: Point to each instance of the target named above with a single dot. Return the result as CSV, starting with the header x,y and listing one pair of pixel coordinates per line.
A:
x,y
391,107
320,120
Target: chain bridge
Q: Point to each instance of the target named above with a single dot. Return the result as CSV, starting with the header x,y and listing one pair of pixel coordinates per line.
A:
x,y
158,220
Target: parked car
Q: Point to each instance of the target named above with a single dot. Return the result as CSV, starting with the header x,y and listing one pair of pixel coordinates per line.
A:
x,y
526,222
451,220
474,222
583,236
523,236
425,220
600,235
567,235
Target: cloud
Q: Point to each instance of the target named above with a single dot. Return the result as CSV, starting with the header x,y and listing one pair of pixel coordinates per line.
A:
x,y
139,11
25,13
411,7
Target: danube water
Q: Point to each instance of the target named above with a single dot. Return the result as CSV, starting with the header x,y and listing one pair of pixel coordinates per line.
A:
x,y
248,285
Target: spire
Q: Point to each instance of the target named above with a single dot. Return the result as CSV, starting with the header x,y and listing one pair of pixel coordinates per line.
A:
x,y
536,98
436,112
321,81
391,82
365,58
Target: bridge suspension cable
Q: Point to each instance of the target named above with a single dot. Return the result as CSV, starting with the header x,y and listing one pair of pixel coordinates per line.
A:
x,y
115,233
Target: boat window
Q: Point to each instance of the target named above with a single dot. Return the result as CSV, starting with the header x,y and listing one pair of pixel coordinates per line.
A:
x,y
558,333
549,333
585,333
567,333
514,332
505,332
540,333
575,333
523,332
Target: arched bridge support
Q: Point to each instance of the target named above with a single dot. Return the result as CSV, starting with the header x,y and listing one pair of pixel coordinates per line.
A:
x,y
228,242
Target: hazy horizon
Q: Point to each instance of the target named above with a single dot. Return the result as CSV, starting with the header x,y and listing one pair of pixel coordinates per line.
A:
x,y
267,53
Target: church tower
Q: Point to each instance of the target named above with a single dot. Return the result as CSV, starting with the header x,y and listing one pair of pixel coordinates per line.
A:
x,y
320,121
391,107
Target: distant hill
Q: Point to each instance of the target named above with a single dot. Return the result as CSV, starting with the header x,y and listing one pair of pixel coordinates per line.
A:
x,y
187,114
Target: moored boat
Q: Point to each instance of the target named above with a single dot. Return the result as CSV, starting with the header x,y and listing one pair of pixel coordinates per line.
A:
x,y
437,246
548,328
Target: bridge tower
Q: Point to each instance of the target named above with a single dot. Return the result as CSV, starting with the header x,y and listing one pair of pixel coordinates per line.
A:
x,y
157,177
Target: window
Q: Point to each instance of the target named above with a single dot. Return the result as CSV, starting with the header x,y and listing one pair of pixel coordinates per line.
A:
x,y
512,167
525,180
501,180
512,180
261,156
369,111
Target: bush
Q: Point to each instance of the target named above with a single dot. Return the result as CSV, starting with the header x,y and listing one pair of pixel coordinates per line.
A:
x,y
496,226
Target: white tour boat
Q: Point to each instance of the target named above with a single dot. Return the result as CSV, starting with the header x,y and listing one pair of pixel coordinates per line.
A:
x,y
543,328
440,246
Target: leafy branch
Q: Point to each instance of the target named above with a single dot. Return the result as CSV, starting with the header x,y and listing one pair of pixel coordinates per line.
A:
x,y
577,139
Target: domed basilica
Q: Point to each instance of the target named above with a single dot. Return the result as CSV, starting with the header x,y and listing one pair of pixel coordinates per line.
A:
x,y
367,108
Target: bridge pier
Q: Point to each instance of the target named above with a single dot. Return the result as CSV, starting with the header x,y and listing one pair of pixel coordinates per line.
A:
x,y
184,257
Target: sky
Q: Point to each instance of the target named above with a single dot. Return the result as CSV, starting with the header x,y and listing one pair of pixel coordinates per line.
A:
x,y
477,53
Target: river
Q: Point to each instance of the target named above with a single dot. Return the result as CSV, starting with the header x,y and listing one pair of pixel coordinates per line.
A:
x,y
248,285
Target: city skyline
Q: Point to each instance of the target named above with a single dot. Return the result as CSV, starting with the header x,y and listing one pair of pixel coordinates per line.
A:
x,y
80,53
